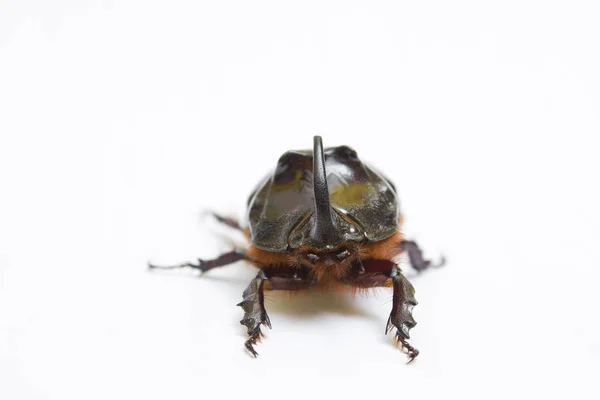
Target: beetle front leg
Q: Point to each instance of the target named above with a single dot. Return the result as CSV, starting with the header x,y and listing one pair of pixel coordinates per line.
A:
x,y
254,311
401,316
415,256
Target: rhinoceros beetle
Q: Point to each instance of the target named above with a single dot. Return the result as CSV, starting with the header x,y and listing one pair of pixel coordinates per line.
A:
x,y
323,219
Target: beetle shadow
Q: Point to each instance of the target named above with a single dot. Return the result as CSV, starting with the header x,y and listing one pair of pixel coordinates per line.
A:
x,y
310,303
301,305
314,303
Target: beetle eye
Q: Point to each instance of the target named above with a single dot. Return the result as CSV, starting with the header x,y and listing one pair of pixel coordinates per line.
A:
x,y
342,255
312,257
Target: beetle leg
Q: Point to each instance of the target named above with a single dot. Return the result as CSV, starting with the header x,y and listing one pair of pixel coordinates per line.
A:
x,y
229,221
401,316
254,311
205,265
415,255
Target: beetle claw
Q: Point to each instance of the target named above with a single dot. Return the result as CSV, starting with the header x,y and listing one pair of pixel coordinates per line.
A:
x,y
407,348
250,346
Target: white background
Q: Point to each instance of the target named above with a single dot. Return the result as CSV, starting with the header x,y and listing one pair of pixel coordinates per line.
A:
x,y
120,122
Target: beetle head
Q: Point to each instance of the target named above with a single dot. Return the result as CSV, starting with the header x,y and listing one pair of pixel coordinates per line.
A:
x,y
336,264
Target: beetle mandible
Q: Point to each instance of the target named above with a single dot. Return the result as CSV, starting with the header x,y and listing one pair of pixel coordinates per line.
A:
x,y
324,219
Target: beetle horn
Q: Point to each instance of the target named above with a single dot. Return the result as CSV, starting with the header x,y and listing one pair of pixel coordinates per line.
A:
x,y
323,226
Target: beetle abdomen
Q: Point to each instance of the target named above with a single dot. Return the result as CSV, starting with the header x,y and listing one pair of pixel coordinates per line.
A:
x,y
283,212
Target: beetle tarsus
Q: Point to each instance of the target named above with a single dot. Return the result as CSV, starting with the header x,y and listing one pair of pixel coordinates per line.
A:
x,y
206,265
255,314
401,316
254,337
190,265
409,350
415,256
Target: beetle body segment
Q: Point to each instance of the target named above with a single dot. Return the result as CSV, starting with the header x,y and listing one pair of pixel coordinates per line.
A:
x,y
282,211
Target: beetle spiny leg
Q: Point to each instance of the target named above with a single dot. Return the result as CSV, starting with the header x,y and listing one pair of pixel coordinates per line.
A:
x,y
255,314
401,316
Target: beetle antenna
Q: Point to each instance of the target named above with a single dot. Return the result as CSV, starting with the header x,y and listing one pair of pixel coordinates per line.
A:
x,y
324,225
